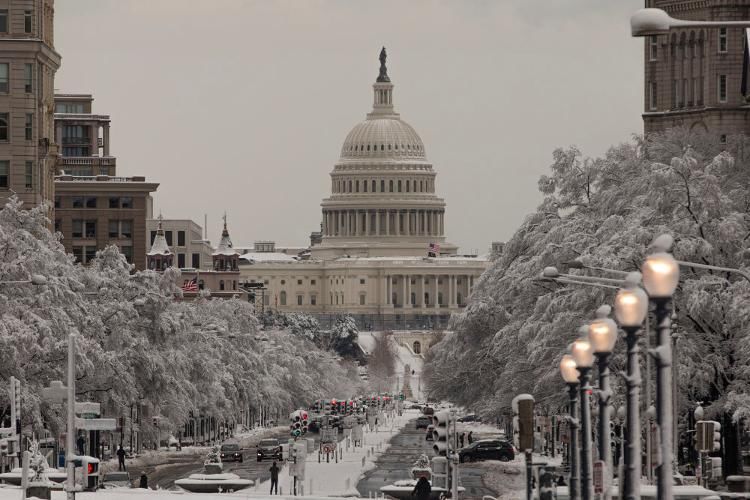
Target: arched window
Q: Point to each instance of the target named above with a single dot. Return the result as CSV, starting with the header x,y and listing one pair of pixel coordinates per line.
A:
x,y
350,186
382,147
440,298
407,185
382,186
356,186
421,186
427,298
417,347
399,186
221,284
391,186
373,186
282,298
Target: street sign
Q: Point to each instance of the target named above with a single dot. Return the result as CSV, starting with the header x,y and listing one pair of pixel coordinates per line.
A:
x,y
88,408
328,447
598,477
96,424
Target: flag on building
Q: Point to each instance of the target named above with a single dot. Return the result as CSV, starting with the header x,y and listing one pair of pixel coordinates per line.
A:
x,y
190,285
433,250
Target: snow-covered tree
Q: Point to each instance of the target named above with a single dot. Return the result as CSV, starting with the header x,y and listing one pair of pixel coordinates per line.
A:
x,y
604,212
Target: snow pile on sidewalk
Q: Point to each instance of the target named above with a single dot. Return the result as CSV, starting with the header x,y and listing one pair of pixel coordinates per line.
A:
x,y
508,479
340,479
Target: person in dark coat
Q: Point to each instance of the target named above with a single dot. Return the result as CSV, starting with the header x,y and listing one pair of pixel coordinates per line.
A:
x,y
121,459
81,444
470,438
422,490
144,481
274,478
461,439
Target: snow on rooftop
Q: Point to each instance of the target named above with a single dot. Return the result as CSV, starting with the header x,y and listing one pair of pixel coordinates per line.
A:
x,y
268,257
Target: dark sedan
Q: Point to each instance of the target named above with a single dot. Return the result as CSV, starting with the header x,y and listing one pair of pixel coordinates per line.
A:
x,y
269,448
423,422
231,453
487,449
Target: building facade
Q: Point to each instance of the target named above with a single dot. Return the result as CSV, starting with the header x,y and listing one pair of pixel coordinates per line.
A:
x,y
695,77
94,207
28,62
187,241
382,255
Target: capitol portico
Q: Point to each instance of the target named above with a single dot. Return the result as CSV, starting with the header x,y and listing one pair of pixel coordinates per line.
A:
x,y
381,255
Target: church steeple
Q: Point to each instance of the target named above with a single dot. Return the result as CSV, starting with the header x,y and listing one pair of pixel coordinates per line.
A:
x,y
160,257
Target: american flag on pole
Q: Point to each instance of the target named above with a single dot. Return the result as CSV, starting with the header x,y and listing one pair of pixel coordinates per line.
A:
x,y
433,250
190,285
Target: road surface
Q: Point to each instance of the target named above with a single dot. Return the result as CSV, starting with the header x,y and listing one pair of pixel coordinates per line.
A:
x,y
396,463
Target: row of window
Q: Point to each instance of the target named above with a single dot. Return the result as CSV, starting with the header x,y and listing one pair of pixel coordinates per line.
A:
x,y
28,78
364,186
390,147
5,174
85,254
688,47
28,127
688,92
85,228
28,16
168,235
93,202
195,260
300,299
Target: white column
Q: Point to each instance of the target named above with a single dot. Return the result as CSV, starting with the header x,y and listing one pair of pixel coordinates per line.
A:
x,y
420,291
404,302
407,301
435,290
377,222
368,215
389,290
106,139
452,290
387,222
94,140
357,229
384,284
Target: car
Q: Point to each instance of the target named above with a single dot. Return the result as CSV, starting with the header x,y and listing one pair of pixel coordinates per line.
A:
x,y
116,480
269,448
231,452
487,449
428,435
469,418
423,422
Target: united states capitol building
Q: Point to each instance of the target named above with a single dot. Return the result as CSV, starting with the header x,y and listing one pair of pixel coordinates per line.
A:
x,y
381,255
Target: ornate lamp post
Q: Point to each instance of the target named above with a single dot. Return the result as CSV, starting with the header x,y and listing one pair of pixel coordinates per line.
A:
x,y
583,354
603,335
660,276
631,306
569,372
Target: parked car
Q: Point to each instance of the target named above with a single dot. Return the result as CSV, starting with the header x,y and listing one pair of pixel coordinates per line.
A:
x,y
231,452
487,449
469,418
116,480
269,448
423,422
428,435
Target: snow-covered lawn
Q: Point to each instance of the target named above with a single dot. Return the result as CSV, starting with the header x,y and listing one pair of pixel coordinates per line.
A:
x,y
340,479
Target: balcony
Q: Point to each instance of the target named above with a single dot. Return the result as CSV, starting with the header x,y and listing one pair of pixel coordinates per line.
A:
x,y
88,161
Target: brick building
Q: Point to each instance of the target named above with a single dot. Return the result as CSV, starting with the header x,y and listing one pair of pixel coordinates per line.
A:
x,y
694,76
94,207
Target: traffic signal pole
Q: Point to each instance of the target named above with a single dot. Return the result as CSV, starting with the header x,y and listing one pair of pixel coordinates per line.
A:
x,y
70,436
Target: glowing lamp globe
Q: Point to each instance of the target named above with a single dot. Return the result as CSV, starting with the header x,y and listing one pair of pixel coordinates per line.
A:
x,y
603,332
631,306
569,369
660,275
583,353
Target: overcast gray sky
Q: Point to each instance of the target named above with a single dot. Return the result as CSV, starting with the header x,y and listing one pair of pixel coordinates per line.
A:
x,y
243,105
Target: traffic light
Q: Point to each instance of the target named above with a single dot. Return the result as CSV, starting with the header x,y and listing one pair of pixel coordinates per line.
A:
x,y
295,426
523,422
155,420
304,421
707,436
716,441
15,410
441,421
90,469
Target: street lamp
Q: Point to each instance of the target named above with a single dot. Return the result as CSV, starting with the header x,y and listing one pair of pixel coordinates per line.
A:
x,y
583,354
631,307
660,276
603,336
569,372
649,22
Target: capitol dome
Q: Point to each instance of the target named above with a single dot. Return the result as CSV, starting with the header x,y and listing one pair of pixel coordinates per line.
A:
x,y
383,138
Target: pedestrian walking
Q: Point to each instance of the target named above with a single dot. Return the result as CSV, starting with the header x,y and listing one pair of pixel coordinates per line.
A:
x,y
422,490
470,438
461,439
274,478
81,444
144,481
121,459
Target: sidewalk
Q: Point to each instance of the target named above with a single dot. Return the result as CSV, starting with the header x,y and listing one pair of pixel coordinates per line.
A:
x,y
340,479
